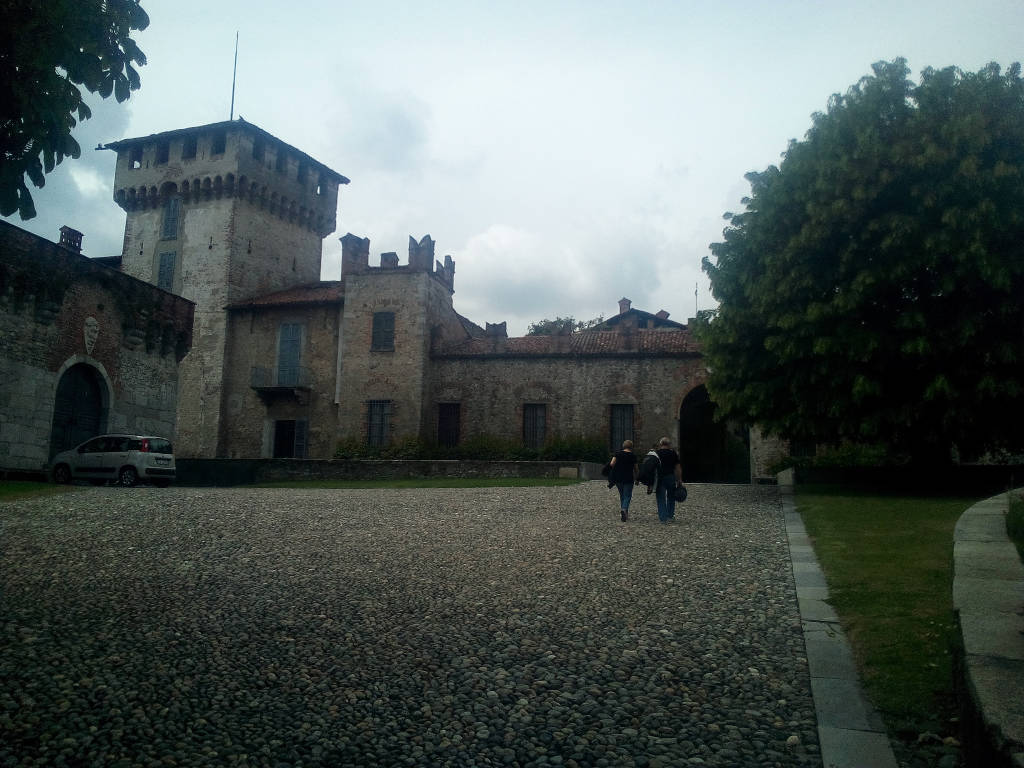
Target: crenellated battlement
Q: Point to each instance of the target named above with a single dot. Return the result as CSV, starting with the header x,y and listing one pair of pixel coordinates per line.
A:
x,y
355,259
233,159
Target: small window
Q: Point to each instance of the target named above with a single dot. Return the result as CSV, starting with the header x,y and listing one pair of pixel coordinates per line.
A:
x,y
448,424
163,152
321,185
303,172
281,163
259,149
378,422
172,212
220,143
165,273
189,148
535,425
136,158
383,331
290,439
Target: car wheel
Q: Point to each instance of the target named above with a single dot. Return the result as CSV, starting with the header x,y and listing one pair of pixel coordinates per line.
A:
x,y
62,474
128,477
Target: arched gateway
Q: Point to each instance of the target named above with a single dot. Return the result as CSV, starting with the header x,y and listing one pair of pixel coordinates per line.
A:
x,y
711,452
79,407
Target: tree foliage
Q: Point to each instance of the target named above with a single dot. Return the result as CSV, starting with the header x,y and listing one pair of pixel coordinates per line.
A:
x,y
561,325
873,287
48,48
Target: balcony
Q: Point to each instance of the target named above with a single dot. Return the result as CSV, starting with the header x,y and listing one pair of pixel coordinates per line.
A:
x,y
281,383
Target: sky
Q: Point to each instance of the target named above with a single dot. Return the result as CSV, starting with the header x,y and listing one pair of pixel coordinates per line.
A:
x,y
566,154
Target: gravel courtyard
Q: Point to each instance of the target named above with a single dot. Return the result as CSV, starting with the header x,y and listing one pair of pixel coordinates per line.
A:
x,y
421,627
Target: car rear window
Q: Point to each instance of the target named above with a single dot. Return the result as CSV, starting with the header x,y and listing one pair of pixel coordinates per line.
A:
x,y
159,445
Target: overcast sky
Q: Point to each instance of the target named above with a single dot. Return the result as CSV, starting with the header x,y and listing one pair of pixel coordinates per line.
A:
x,y
566,154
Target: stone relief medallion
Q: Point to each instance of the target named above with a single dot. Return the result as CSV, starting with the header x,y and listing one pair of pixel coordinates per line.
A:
x,y
90,329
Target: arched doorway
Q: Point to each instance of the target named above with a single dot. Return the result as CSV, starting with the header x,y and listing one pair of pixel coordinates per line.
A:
x,y
79,408
711,452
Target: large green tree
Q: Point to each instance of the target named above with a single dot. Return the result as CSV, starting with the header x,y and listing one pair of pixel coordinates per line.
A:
x,y
873,288
48,48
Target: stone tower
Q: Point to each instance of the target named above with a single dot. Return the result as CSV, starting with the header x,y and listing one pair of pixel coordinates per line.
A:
x,y
217,214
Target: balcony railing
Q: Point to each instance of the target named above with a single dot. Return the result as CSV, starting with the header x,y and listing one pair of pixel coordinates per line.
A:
x,y
280,378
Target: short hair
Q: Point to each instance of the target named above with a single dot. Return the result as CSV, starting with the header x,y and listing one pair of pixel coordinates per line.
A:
x,y
627,443
664,441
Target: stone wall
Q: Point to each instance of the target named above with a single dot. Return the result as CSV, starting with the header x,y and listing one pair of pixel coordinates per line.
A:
x,y
249,413
58,309
578,393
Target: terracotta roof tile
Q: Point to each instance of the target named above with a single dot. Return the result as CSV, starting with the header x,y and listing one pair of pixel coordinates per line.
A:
x,y
584,343
323,292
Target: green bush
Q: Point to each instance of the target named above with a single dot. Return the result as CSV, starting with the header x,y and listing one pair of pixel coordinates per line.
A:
x,y
575,449
479,448
844,455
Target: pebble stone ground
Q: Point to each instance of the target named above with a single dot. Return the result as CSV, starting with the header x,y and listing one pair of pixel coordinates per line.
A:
x,y
470,627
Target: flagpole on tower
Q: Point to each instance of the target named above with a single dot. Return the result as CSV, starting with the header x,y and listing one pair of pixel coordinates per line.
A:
x,y
234,75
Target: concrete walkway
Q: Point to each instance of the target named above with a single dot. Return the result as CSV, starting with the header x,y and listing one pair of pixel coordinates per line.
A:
x,y
850,732
988,597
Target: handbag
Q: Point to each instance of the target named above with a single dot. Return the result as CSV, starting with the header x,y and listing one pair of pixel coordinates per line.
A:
x,y
680,492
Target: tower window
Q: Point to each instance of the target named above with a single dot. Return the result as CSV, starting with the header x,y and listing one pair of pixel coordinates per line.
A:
x,y
136,158
220,143
259,149
165,272
281,164
189,148
163,152
172,213
383,337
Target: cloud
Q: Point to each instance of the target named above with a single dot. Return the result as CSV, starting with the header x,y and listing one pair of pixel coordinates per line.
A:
x,y
79,193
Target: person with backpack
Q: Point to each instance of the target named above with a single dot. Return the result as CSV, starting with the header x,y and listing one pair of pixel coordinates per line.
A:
x,y
670,473
623,476
648,474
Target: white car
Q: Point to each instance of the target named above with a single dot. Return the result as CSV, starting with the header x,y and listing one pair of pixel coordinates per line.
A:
x,y
123,459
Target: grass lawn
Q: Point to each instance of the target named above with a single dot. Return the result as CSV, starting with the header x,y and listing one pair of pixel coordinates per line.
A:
x,y
11,490
889,565
425,482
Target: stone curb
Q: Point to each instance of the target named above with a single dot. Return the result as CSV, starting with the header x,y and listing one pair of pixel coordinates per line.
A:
x,y
850,732
988,600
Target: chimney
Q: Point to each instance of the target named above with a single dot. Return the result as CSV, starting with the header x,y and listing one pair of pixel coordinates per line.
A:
x,y
624,305
497,330
71,239
662,314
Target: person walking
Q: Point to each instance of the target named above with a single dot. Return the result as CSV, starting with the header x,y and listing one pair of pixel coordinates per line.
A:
x,y
669,474
623,474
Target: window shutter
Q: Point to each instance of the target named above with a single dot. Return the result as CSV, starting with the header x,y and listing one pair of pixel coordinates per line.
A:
x,y
301,442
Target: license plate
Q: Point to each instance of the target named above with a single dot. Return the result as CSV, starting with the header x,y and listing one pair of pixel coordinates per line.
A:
x,y
163,461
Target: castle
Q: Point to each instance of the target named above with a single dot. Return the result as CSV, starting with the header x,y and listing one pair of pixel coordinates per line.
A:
x,y
284,364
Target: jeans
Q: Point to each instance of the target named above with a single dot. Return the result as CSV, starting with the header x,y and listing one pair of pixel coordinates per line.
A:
x,y
665,494
625,495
